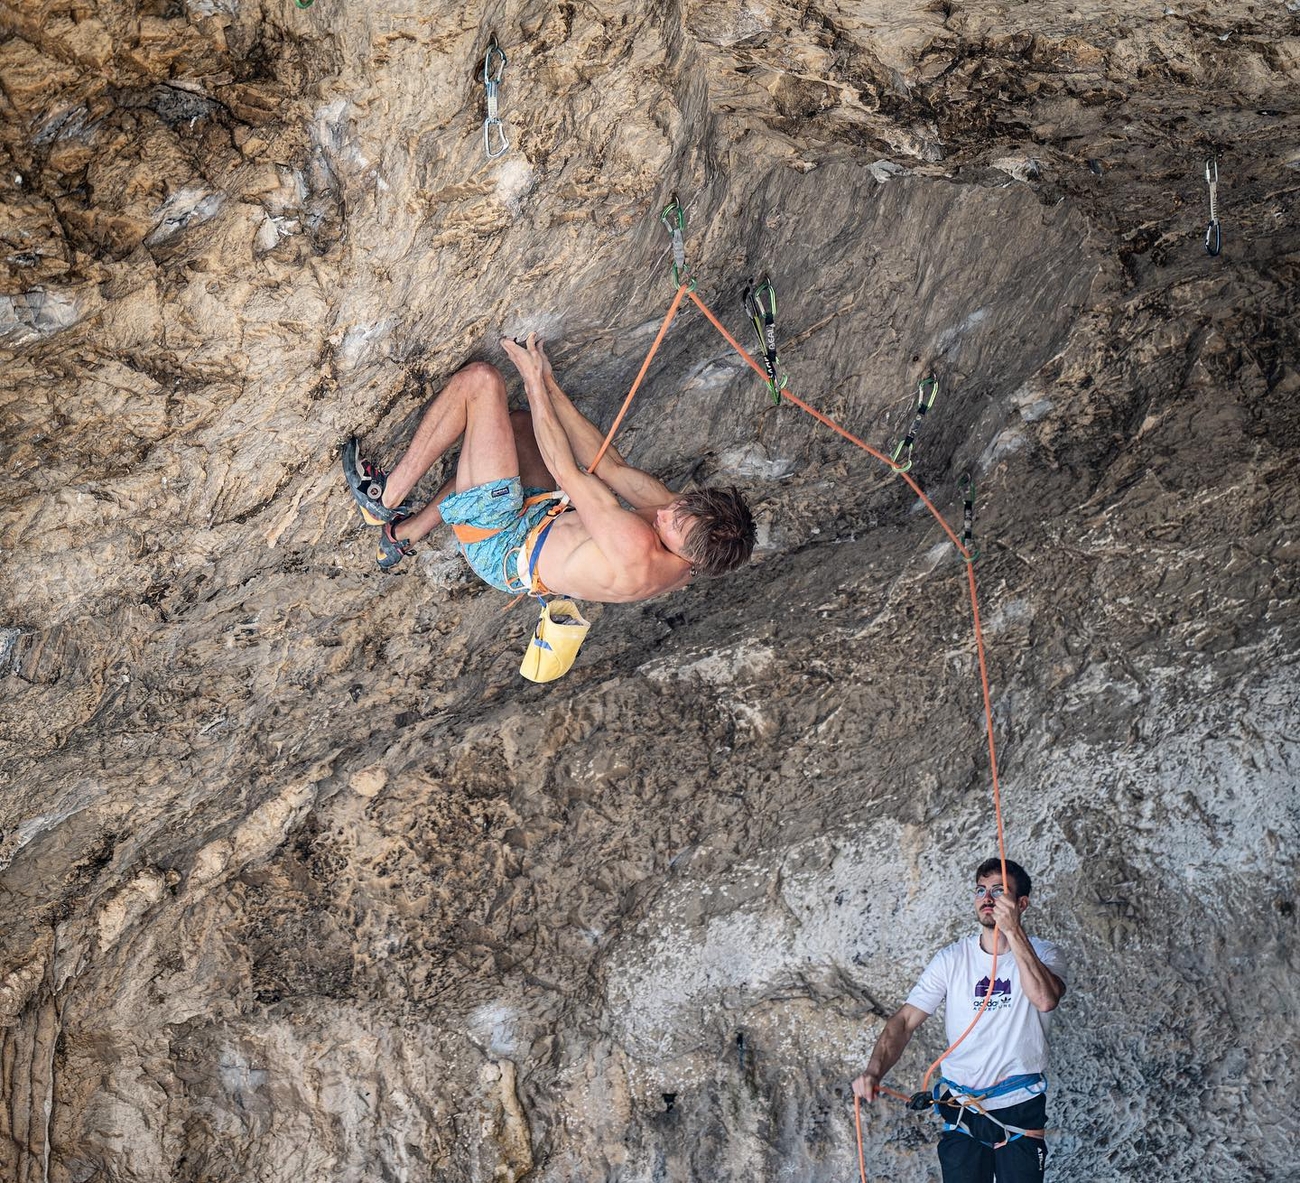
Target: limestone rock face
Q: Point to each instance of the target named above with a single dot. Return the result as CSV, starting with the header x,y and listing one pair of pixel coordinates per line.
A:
x,y
302,882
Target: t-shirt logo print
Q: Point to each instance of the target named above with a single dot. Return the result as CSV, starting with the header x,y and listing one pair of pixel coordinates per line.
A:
x,y
1001,992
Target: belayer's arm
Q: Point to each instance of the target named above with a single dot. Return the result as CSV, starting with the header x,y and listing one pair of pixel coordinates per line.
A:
x,y
1041,986
893,1038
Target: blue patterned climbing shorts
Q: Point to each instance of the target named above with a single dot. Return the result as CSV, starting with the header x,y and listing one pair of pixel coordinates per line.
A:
x,y
496,505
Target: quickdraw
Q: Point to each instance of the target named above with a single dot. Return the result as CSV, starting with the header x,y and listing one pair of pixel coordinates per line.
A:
x,y
673,218
494,66
760,307
1213,232
926,392
967,489
304,3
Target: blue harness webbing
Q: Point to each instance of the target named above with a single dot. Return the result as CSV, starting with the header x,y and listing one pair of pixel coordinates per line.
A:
x,y
973,1098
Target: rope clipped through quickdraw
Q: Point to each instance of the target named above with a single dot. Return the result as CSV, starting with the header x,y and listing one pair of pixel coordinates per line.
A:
x,y
1213,232
674,221
673,218
966,554
760,306
926,392
494,133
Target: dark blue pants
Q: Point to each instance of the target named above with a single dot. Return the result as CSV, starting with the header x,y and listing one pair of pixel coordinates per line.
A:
x,y
973,1160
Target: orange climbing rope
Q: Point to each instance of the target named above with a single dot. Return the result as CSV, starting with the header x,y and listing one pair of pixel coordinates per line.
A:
x,y
687,289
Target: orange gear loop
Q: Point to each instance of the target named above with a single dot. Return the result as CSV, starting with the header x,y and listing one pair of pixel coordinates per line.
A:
x,y
826,420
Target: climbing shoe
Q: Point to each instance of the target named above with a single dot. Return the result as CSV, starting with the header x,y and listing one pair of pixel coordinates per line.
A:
x,y
367,485
392,550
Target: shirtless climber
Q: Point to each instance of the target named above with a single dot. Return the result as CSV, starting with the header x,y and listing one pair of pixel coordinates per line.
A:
x,y
516,533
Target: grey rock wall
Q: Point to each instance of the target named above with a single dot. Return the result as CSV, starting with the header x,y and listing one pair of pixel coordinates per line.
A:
x,y
301,881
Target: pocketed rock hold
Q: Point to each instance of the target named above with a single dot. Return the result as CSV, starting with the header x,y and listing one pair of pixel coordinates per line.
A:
x,y
368,782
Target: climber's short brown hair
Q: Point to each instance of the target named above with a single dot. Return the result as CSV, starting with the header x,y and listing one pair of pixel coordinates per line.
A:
x,y
722,538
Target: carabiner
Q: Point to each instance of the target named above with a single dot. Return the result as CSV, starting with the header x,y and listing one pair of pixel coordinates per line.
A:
x,y
673,218
492,74
494,66
967,489
503,145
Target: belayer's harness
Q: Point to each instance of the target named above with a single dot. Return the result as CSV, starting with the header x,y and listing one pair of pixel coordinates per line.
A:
x,y
944,1096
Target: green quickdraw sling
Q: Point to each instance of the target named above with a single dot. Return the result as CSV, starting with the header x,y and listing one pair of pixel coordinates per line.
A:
x,y
926,392
673,218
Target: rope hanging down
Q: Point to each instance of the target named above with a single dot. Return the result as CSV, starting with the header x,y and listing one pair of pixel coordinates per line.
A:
x,y
673,220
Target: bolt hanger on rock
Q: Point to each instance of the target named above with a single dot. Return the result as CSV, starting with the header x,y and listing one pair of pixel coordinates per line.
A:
x,y
494,133
1213,232
927,391
760,307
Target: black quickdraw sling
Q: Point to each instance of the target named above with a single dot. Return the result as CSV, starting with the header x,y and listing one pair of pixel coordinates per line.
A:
x,y
760,307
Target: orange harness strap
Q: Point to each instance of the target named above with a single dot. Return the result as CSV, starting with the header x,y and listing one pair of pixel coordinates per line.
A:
x,y
535,587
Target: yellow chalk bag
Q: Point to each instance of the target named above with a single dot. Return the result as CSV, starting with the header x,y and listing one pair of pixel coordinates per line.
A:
x,y
556,641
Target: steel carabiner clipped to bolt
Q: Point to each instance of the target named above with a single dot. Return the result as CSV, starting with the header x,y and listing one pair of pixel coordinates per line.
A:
x,y
1213,232
494,133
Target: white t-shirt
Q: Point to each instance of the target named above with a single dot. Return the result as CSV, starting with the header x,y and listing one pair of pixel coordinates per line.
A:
x,y
1010,1037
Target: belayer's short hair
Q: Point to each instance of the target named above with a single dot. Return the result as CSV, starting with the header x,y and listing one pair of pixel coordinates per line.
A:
x,y
993,866
722,538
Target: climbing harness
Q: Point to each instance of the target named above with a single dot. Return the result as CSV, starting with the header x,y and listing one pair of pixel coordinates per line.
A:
x,y
524,578
948,1095
561,628
760,307
494,66
673,218
1213,232
926,392
967,489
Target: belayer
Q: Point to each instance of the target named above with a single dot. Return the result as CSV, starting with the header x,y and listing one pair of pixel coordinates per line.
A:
x,y
527,514
991,1095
